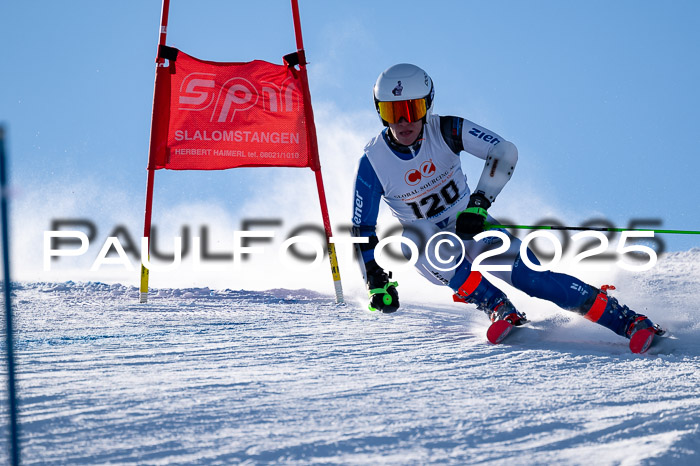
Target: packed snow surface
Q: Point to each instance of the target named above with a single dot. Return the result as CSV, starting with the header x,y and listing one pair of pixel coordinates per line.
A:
x,y
201,376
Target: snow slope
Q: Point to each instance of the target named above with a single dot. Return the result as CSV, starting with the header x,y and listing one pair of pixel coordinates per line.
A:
x,y
199,376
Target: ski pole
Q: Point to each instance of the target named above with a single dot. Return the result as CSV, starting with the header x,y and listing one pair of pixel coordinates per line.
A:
x,y
14,452
490,226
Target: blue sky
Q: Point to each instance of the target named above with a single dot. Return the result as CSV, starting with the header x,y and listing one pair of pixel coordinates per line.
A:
x,y
600,97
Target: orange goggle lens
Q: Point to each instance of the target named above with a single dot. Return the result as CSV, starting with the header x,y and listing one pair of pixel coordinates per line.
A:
x,y
411,110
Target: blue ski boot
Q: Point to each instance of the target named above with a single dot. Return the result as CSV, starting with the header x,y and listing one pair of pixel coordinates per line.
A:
x,y
489,299
608,312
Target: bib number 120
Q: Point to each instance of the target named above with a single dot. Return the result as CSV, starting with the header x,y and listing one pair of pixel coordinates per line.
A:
x,y
435,202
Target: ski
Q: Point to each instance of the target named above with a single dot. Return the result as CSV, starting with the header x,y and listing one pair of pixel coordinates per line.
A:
x,y
641,340
498,331
639,343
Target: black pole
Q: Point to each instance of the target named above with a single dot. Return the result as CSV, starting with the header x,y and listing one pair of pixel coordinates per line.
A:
x,y
7,285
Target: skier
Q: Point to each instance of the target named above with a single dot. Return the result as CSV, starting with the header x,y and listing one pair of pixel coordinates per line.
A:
x,y
414,165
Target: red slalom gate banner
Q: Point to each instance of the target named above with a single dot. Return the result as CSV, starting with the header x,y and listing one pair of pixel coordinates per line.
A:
x,y
227,115
214,116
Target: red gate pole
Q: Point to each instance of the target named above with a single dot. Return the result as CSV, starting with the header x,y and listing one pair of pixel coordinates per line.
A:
x,y
161,69
313,148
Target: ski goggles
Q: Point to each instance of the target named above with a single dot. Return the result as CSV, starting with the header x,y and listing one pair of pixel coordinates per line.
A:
x,y
412,110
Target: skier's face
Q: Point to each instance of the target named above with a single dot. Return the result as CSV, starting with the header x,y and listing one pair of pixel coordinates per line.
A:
x,y
406,133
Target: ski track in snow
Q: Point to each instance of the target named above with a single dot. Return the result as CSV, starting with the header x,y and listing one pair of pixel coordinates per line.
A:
x,y
287,377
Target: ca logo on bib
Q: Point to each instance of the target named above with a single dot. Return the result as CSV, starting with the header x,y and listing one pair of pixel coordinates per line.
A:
x,y
414,176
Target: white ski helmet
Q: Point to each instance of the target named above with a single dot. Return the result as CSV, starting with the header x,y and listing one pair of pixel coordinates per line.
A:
x,y
407,84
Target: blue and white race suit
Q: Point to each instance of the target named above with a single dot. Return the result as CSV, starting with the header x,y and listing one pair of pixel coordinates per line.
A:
x,y
425,188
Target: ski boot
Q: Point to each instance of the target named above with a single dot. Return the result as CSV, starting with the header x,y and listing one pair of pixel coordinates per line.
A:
x,y
494,303
641,333
503,317
608,312
505,310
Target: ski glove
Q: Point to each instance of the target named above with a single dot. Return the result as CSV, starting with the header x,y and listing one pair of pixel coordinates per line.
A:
x,y
471,222
382,292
